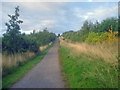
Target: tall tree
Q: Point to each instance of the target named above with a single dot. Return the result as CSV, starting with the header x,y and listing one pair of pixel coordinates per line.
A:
x,y
12,36
14,22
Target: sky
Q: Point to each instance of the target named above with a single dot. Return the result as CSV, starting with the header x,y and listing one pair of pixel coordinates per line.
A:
x,y
58,17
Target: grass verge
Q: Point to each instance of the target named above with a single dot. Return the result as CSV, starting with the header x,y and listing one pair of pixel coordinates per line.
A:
x,y
64,78
12,78
88,71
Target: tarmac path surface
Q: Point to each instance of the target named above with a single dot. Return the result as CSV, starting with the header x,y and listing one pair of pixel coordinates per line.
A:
x,y
46,74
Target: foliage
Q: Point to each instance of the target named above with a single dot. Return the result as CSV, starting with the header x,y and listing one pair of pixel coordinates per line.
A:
x,y
12,37
96,37
17,73
58,35
15,42
43,38
94,31
101,37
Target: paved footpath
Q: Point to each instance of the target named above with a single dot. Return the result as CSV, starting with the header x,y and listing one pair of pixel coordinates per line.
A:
x,y
45,74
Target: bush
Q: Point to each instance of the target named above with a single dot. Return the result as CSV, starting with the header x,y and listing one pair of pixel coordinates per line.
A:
x,y
33,47
96,37
101,37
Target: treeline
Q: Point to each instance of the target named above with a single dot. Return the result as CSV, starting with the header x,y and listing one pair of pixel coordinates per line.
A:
x,y
14,41
96,29
43,37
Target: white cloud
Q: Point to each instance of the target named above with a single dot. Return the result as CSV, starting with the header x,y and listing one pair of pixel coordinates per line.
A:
x,y
42,6
86,17
90,13
102,13
47,22
27,32
25,21
0,17
36,6
57,17
90,0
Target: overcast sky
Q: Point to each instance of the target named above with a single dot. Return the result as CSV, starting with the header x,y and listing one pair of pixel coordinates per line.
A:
x,y
58,17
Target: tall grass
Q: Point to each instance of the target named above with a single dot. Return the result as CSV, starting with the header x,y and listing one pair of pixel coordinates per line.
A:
x,y
45,46
10,62
108,51
89,66
12,78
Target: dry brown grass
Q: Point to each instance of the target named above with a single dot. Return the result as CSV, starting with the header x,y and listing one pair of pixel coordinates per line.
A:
x,y
12,60
45,46
50,43
106,51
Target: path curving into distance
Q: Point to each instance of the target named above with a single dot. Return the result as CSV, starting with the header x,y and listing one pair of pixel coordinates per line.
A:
x,y
46,74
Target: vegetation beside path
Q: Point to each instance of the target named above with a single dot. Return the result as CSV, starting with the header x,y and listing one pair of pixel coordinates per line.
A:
x,y
10,79
86,70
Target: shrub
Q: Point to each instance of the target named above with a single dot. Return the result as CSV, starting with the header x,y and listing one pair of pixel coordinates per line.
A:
x,y
101,37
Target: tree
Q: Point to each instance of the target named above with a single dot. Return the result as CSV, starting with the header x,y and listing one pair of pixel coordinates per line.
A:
x,y
11,40
91,26
13,25
85,26
108,22
88,27
15,42
58,35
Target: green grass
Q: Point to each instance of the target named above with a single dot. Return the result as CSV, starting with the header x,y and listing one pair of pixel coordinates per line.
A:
x,y
10,79
86,71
